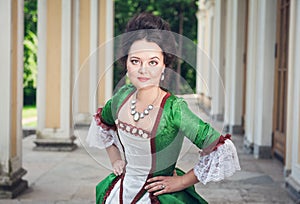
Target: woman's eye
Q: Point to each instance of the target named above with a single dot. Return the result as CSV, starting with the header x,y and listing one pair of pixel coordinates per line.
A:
x,y
153,63
135,62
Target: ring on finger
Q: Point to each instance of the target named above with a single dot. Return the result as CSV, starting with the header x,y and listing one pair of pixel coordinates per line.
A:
x,y
162,187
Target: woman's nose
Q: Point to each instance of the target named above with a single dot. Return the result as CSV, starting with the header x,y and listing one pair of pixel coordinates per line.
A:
x,y
142,69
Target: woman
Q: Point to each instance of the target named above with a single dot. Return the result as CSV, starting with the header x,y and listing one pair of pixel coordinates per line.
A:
x,y
148,124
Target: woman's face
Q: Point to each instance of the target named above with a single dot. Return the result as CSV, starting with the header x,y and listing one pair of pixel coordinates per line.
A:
x,y
145,64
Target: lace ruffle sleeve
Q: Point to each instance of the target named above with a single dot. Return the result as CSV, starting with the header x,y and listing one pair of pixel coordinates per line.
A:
x,y
101,135
219,164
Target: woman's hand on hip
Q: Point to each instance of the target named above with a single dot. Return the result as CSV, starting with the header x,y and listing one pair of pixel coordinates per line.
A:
x,y
165,184
118,167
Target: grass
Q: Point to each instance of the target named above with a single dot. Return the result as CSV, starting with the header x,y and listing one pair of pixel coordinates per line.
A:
x,y
29,112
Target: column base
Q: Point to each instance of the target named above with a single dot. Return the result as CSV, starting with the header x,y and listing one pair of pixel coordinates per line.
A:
x,y
218,117
286,172
57,145
28,131
262,152
237,129
204,103
248,146
293,188
83,119
12,186
234,129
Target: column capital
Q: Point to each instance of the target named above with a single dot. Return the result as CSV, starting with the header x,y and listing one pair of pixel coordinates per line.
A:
x,y
209,4
200,14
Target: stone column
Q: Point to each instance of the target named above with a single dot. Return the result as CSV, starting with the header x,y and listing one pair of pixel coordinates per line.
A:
x,y
105,70
93,57
11,92
54,128
235,29
293,112
251,76
217,77
206,54
264,74
228,64
85,34
109,49
209,5
201,85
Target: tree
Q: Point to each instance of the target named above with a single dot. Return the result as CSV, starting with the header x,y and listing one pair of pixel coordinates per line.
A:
x,y
30,51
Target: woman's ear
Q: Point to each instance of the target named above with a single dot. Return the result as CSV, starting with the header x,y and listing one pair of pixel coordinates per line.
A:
x,y
162,74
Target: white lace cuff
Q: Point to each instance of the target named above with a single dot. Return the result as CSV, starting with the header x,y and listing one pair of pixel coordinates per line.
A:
x,y
219,164
99,137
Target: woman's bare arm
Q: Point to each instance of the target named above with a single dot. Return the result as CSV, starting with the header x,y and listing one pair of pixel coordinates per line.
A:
x,y
116,160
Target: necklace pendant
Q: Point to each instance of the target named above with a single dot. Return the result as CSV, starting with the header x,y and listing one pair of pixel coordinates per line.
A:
x,y
136,117
146,112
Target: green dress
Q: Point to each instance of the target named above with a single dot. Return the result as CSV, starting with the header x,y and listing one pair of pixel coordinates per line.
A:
x,y
160,147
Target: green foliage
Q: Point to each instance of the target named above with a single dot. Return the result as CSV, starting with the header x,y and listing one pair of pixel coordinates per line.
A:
x,y
30,60
30,51
29,112
29,116
171,12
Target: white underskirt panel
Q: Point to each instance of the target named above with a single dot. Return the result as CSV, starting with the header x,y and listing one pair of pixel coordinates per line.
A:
x,y
139,160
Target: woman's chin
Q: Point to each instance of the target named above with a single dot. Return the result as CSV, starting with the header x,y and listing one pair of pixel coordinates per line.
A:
x,y
144,85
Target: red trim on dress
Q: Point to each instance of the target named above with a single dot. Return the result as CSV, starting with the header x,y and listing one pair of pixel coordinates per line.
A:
x,y
121,190
110,188
100,122
154,199
140,194
222,141
162,104
139,132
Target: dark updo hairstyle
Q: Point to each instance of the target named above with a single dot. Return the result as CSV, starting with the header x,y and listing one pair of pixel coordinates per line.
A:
x,y
153,29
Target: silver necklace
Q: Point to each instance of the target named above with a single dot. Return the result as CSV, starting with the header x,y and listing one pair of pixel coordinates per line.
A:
x,y
137,115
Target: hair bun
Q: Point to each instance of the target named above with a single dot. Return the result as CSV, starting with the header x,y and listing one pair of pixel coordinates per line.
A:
x,y
147,20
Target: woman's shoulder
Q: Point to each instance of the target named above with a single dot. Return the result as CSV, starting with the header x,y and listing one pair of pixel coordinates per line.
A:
x,y
123,91
124,88
174,102
174,99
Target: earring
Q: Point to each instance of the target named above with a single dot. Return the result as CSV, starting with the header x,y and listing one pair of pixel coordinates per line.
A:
x,y
127,74
162,76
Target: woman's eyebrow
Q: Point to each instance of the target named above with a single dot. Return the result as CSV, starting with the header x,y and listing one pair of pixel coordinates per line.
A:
x,y
151,58
155,57
134,57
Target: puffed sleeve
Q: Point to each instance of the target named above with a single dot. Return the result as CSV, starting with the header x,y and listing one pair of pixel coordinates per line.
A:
x,y
102,132
218,158
195,129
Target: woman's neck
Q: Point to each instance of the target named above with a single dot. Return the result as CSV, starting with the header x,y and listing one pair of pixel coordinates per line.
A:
x,y
148,93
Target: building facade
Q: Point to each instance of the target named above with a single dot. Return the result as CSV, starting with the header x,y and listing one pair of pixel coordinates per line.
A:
x,y
254,45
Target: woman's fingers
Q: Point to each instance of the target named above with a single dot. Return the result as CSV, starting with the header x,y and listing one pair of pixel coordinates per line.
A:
x,y
156,178
118,172
154,186
118,167
164,184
